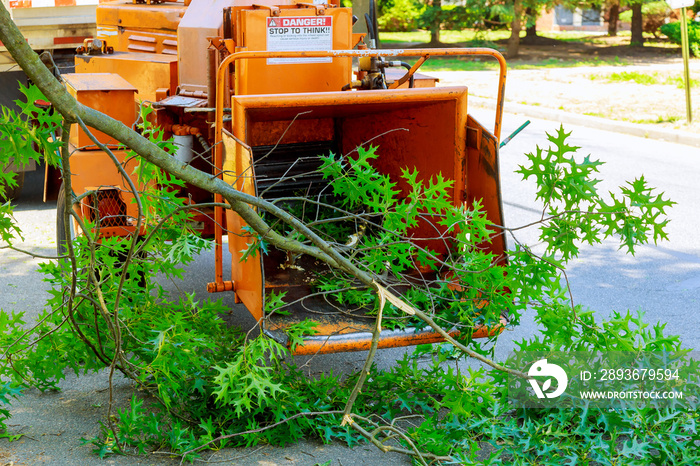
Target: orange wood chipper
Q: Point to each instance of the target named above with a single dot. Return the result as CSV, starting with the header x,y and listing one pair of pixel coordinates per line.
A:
x,y
231,80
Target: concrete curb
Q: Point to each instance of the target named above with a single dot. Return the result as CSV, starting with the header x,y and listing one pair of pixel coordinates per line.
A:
x,y
643,131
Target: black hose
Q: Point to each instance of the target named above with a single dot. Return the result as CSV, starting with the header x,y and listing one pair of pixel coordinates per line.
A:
x,y
410,79
375,26
370,30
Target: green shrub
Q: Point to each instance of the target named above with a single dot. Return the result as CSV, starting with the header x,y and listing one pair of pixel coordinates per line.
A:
x,y
673,32
400,17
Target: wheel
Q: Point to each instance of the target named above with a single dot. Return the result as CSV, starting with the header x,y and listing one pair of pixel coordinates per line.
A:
x,y
61,239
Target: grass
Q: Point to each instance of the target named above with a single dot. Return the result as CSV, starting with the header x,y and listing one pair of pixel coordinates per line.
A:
x,y
471,38
559,63
469,35
398,39
597,114
643,121
626,76
647,79
480,64
572,36
667,119
458,64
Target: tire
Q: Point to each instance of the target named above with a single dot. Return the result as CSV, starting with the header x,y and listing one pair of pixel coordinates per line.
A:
x,y
61,239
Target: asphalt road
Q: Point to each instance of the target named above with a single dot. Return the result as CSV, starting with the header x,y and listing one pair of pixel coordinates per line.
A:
x,y
663,281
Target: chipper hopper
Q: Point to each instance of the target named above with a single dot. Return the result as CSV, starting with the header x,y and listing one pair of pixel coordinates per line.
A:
x,y
254,93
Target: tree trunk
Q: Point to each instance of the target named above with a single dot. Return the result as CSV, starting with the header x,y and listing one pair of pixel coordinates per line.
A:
x,y
514,41
436,23
637,29
531,30
613,18
434,35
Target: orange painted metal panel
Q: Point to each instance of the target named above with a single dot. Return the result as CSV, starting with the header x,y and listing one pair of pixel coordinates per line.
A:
x,y
269,77
148,72
105,92
246,274
421,128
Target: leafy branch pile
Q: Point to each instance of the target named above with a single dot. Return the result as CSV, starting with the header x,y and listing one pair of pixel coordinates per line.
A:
x,y
207,385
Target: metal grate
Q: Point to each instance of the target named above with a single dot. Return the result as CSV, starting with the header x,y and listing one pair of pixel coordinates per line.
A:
x,y
107,208
291,169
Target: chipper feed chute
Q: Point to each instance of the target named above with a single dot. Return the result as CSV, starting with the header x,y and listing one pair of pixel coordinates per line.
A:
x,y
273,150
255,93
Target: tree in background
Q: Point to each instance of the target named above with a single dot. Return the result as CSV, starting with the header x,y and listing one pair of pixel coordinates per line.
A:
x,y
613,7
399,15
524,13
432,18
515,27
434,15
637,24
531,29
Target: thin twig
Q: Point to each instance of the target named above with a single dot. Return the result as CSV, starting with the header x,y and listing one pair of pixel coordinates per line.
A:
x,y
33,254
260,429
376,333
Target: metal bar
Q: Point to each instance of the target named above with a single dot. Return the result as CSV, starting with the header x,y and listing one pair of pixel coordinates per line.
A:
x,y
371,52
686,69
513,134
361,341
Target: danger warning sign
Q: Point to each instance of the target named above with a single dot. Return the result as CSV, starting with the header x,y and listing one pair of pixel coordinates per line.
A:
x,y
299,33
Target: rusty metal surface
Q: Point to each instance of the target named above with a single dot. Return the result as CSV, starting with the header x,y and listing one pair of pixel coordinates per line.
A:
x,y
318,344
342,330
231,59
484,183
423,128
